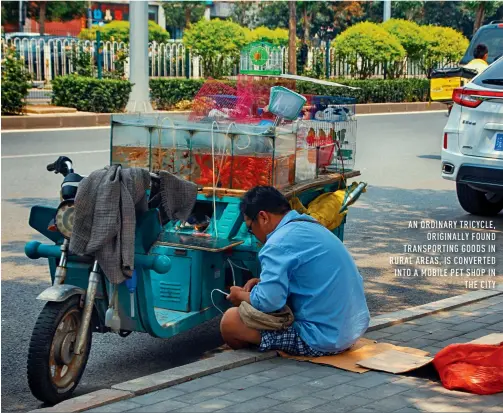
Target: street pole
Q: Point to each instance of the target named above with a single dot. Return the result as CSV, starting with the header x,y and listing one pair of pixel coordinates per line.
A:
x,y
89,16
21,28
139,100
99,59
385,17
387,10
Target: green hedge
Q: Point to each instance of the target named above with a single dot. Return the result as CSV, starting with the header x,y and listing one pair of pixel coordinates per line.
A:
x,y
374,90
166,93
91,95
107,95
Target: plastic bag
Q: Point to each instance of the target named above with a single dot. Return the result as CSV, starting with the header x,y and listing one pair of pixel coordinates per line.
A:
x,y
476,368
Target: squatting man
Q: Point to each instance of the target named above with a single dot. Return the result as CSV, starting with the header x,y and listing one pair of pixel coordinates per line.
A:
x,y
303,265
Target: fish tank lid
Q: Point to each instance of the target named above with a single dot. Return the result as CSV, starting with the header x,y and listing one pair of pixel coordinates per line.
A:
x,y
181,122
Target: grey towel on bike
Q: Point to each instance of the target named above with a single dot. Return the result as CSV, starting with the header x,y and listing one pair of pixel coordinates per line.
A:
x,y
253,318
106,205
178,196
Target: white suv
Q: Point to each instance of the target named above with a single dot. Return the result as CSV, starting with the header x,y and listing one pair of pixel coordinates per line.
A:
x,y
472,152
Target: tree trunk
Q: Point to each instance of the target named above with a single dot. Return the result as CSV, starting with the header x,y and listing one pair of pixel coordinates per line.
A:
x,y
292,25
188,13
306,24
41,16
479,16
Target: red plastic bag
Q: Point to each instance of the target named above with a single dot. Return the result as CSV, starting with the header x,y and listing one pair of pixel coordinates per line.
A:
x,y
476,368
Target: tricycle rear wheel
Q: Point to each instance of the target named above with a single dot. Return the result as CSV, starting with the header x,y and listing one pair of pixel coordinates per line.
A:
x,y
54,371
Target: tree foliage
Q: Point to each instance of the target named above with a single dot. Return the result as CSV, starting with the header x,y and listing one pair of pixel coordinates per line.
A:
x,y
278,37
409,34
218,42
119,31
15,82
182,14
366,45
444,46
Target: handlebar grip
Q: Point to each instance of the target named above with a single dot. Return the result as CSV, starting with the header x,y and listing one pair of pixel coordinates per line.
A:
x,y
51,167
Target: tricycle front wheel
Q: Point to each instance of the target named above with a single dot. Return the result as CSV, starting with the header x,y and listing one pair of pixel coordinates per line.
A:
x,y
54,371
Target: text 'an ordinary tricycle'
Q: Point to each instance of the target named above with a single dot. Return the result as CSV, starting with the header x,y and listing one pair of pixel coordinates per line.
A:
x,y
180,266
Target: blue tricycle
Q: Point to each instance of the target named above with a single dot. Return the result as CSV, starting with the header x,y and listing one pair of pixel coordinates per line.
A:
x,y
180,268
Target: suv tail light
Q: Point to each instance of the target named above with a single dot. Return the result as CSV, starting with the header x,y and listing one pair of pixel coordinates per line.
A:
x,y
473,98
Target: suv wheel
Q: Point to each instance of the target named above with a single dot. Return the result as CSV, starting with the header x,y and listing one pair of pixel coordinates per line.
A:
x,y
476,202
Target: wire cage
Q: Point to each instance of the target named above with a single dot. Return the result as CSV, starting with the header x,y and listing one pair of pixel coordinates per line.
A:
x,y
326,136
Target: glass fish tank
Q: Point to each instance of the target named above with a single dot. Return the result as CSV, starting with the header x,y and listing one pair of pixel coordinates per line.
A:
x,y
221,154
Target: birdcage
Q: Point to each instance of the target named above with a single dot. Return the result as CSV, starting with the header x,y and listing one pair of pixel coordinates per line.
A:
x,y
261,58
326,136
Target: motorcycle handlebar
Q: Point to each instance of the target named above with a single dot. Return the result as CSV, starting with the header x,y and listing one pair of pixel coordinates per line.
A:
x,y
62,165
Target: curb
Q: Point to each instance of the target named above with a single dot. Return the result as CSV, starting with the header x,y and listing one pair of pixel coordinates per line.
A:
x,y
85,119
228,360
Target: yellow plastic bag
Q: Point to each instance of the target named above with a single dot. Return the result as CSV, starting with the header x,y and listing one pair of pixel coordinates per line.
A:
x,y
325,208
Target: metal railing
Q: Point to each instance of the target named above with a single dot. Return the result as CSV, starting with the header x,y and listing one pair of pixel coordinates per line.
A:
x,y
48,58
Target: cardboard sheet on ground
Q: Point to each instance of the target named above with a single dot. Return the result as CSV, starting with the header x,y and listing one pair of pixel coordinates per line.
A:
x,y
368,355
362,350
396,362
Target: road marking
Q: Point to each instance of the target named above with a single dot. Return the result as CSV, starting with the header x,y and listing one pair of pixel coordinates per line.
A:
x,y
54,129
402,113
39,155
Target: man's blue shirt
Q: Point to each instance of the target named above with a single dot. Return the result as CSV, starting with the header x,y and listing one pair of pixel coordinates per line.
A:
x,y
307,267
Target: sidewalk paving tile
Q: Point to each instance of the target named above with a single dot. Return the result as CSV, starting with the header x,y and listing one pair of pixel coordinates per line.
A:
x,y
409,335
327,382
202,395
245,382
122,406
319,372
497,326
396,329
240,396
338,392
373,378
206,406
446,334
384,390
491,318
256,405
284,382
468,326
198,384
433,326
377,335
158,396
300,404
345,404
478,333
162,407
454,340
421,342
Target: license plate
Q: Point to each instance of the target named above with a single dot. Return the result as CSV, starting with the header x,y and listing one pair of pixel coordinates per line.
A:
x,y
498,146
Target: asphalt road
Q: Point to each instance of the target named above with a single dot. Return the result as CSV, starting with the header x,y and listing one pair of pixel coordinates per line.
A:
x,y
398,155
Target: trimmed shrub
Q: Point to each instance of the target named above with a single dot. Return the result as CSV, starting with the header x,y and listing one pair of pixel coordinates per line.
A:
x,y
444,45
166,93
365,46
88,94
15,83
409,34
218,42
118,30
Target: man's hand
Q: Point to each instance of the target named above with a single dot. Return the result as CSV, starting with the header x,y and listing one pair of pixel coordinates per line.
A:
x,y
250,284
237,295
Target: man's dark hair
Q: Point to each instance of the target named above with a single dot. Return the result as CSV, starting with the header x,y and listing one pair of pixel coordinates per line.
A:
x,y
480,51
263,198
